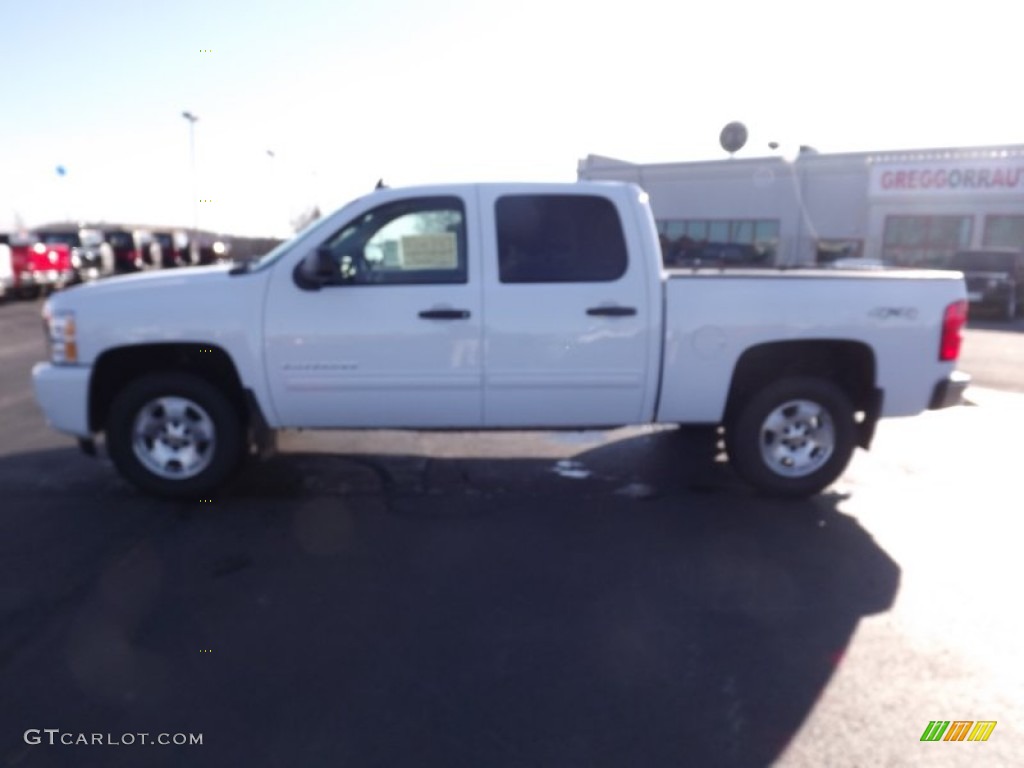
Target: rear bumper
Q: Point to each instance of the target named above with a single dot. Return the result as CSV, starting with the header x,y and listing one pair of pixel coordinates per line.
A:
x,y
950,391
62,392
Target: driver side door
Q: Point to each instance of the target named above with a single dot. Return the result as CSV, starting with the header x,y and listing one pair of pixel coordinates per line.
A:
x,y
393,336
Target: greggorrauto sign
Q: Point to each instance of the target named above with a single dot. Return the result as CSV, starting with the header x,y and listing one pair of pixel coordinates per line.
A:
x,y
991,177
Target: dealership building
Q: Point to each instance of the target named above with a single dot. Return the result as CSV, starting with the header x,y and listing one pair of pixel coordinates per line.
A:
x,y
911,208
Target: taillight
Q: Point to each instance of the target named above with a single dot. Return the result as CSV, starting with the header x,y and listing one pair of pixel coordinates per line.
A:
x,y
952,325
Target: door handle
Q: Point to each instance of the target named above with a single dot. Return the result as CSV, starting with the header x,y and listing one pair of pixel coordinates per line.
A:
x,y
444,314
613,311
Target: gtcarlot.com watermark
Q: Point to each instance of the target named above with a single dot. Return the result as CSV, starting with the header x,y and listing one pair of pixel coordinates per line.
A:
x,y
55,737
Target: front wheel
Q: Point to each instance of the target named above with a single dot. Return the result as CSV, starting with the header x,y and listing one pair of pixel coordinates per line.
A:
x,y
174,435
792,438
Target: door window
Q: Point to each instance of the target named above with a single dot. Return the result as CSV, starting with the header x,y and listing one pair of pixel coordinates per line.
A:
x,y
559,239
406,242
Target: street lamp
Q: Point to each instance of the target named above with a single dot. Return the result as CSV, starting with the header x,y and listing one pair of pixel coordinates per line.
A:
x,y
195,194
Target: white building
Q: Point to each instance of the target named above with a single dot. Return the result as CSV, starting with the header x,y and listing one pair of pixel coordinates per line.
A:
x,y
910,208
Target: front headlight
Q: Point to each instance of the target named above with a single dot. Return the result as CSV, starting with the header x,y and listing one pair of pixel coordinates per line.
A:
x,y
60,335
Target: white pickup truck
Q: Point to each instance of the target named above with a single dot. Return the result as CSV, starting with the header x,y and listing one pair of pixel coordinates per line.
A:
x,y
494,306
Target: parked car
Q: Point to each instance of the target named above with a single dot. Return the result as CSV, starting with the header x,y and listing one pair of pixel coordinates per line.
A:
x,y
39,266
168,249
995,279
495,306
6,269
210,249
96,257
87,255
148,249
127,257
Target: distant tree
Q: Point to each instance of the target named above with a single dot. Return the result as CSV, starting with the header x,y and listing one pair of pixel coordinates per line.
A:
x,y
306,218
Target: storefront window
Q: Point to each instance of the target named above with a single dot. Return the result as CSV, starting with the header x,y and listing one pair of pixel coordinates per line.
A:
x,y
924,241
1004,232
730,241
766,236
718,232
833,249
743,232
697,230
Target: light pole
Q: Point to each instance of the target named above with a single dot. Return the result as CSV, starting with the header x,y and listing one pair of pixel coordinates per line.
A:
x,y
804,222
193,252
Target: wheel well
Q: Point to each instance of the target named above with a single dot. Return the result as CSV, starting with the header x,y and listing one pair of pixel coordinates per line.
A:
x,y
115,368
849,364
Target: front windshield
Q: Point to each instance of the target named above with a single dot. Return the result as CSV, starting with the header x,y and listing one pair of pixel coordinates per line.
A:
x,y
120,240
58,238
303,236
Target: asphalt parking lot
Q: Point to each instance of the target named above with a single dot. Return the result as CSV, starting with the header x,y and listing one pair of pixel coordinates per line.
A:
x,y
520,599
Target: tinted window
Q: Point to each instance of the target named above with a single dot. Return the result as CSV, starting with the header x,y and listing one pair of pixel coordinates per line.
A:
x,y
406,242
120,240
559,239
59,238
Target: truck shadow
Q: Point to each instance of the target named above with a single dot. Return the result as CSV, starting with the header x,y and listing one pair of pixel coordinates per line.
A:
x,y
631,605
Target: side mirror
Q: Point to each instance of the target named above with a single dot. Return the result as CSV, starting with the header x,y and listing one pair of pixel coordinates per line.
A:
x,y
315,271
324,268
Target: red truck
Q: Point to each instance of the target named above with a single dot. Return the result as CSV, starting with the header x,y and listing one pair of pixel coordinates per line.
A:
x,y
37,265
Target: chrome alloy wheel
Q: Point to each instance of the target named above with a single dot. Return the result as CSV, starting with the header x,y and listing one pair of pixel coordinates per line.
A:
x,y
797,438
174,438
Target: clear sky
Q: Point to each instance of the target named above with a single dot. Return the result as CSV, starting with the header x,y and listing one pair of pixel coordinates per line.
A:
x,y
346,92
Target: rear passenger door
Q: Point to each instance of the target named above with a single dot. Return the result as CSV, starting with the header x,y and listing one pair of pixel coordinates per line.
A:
x,y
567,316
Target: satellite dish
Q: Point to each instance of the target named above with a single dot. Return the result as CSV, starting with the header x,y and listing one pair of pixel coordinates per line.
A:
x,y
733,137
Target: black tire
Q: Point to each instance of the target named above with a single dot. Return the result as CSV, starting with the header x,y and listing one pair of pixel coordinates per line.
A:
x,y
204,412
749,438
28,294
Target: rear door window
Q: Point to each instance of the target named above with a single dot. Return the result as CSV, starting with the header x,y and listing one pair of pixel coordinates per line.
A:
x,y
559,239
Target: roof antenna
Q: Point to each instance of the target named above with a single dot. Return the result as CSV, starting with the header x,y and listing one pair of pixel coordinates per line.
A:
x,y
381,184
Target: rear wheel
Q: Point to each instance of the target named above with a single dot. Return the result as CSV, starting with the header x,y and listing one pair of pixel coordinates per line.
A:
x,y
792,438
174,435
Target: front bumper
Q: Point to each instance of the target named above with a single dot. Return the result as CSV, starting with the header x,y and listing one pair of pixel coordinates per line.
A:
x,y
62,392
45,278
950,391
